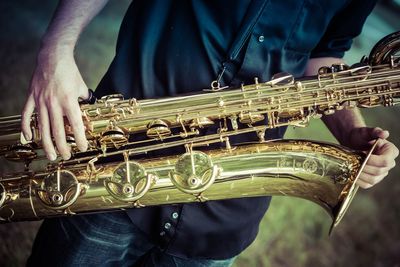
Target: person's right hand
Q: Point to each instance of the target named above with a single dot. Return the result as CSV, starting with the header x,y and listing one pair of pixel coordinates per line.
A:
x,y
55,88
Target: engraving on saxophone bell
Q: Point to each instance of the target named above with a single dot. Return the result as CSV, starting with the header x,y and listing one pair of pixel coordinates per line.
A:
x,y
310,165
344,173
129,181
194,172
59,190
99,180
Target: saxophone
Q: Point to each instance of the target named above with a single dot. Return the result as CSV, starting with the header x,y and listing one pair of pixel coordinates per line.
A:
x,y
123,167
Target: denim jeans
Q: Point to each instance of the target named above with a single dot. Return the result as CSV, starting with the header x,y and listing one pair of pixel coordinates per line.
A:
x,y
107,239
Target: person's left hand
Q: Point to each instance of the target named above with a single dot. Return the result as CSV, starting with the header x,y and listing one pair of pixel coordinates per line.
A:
x,y
382,159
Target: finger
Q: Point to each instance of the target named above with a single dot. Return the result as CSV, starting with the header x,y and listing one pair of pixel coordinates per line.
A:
x,y
84,93
371,179
363,138
373,170
74,115
371,134
381,162
384,155
44,127
384,147
57,128
379,133
26,117
363,184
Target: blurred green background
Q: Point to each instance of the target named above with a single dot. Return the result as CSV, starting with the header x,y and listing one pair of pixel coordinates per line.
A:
x,y
294,232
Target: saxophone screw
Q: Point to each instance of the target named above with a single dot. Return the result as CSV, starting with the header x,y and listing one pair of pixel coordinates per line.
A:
x,y
128,189
193,181
57,198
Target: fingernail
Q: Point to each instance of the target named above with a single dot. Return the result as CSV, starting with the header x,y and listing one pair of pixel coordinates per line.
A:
x,y
67,156
383,132
386,133
83,147
52,157
27,136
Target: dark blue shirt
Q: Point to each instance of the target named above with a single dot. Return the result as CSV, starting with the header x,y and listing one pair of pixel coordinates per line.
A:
x,y
170,47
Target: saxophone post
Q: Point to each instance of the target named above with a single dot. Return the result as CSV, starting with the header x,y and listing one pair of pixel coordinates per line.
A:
x,y
123,167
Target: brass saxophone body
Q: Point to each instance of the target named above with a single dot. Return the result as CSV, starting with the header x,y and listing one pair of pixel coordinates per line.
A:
x,y
117,173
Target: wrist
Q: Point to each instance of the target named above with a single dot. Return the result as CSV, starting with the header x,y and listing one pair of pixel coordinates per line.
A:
x,y
346,137
54,53
53,50
343,123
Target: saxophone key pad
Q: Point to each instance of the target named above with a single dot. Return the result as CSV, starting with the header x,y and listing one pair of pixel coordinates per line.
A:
x,y
158,129
194,172
20,152
114,137
59,190
129,182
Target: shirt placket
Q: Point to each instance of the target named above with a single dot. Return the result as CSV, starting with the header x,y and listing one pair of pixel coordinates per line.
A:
x,y
170,219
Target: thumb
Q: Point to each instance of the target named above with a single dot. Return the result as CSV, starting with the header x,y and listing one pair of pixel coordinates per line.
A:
x,y
362,138
84,92
378,133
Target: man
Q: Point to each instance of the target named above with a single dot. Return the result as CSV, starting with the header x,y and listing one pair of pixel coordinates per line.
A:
x,y
172,47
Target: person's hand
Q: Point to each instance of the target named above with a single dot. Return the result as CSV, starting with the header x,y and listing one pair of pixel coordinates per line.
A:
x,y
382,159
55,88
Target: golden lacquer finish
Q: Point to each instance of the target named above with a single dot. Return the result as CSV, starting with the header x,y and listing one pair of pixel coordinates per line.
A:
x,y
125,166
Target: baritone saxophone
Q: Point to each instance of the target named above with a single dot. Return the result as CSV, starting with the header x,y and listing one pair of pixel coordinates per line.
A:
x,y
124,167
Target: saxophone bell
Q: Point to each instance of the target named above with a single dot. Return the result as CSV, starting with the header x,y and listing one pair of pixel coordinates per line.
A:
x,y
386,51
349,192
136,130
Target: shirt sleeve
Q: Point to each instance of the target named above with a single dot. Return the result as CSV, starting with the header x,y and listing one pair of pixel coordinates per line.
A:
x,y
344,26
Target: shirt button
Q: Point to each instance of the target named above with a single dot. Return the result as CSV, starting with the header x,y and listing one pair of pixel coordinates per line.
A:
x,y
162,233
261,38
167,226
175,215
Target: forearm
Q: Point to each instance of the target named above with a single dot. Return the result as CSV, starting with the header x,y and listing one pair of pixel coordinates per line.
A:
x,y
342,121
56,83
69,20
